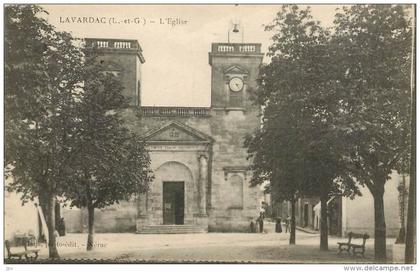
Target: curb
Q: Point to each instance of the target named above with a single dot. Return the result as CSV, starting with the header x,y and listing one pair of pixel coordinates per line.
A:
x,y
307,230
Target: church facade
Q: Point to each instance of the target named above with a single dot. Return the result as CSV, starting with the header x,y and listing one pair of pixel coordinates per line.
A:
x,y
200,165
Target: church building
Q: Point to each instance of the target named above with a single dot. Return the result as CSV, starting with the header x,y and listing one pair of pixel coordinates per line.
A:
x,y
200,165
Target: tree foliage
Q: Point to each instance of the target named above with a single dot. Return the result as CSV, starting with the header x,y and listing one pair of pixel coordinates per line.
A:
x,y
336,105
42,75
300,145
112,162
375,42
64,133
40,97
373,48
111,159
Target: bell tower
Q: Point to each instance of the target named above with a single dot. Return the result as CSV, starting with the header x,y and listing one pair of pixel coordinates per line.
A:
x,y
124,59
234,72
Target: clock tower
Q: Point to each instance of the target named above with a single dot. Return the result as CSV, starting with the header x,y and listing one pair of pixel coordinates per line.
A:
x,y
235,69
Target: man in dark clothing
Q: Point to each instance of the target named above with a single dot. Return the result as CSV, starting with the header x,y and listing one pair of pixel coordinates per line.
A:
x,y
261,222
278,225
61,228
287,224
252,227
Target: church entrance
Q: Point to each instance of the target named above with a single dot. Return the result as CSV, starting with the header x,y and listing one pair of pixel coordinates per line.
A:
x,y
173,203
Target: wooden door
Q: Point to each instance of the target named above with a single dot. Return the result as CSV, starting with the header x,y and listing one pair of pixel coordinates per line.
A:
x,y
173,203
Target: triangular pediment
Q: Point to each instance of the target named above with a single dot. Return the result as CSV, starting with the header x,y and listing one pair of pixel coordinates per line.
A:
x,y
235,70
177,132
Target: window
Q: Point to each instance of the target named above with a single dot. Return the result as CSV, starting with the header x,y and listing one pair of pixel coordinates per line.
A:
x,y
237,191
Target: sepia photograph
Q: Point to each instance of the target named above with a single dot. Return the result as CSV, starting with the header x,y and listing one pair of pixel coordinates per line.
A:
x,y
210,134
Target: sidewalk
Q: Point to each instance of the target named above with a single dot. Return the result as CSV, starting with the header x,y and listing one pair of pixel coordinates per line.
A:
x,y
206,247
270,227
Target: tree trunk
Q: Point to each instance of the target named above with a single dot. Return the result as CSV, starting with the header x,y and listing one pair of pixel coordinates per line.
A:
x,y
91,214
380,227
401,236
401,199
324,223
292,239
50,218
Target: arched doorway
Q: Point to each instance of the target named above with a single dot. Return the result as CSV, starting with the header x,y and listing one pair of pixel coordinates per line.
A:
x,y
174,181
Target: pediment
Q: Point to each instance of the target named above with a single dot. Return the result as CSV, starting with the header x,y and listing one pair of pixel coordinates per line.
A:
x,y
177,132
236,70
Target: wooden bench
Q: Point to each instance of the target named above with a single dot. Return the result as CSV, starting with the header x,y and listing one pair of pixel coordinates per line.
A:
x,y
357,248
31,254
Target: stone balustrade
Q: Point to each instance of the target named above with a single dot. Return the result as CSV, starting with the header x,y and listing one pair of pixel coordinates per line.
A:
x,y
247,48
175,111
113,43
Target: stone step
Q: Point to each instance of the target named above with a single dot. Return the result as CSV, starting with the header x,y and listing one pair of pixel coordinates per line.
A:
x,y
170,229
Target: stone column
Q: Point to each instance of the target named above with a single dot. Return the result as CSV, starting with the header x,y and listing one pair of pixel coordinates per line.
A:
x,y
142,212
202,183
142,204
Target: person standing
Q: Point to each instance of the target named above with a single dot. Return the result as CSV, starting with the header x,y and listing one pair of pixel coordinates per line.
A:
x,y
261,222
252,227
278,225
61,228
287,222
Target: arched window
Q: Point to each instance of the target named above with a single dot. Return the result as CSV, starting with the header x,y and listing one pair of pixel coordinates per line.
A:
x,y
237,192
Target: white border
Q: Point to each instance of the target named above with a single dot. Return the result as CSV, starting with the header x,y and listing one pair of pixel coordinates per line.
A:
x,y
184,267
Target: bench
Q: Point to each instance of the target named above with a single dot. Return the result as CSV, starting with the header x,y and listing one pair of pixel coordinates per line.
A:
x,y
28,253
357,248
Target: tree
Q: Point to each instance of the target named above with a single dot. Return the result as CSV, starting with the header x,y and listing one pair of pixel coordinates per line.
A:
x,y
42,75
113,163
374,55
269,156
301,115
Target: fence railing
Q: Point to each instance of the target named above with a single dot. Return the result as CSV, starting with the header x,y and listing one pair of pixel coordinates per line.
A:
x,y
175,111
112,43
250,48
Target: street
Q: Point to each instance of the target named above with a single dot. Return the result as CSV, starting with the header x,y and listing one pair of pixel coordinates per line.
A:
x,y
224,247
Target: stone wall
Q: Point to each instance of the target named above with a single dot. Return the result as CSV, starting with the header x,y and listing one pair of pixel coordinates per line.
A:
x,y
230,203
358,214
119,217
18,218
73,219
228,159
128,75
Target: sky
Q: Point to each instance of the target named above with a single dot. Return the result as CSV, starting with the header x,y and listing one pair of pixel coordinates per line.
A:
x,y
176,71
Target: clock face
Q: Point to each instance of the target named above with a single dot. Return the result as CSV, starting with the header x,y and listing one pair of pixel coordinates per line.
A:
x,y
236,84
